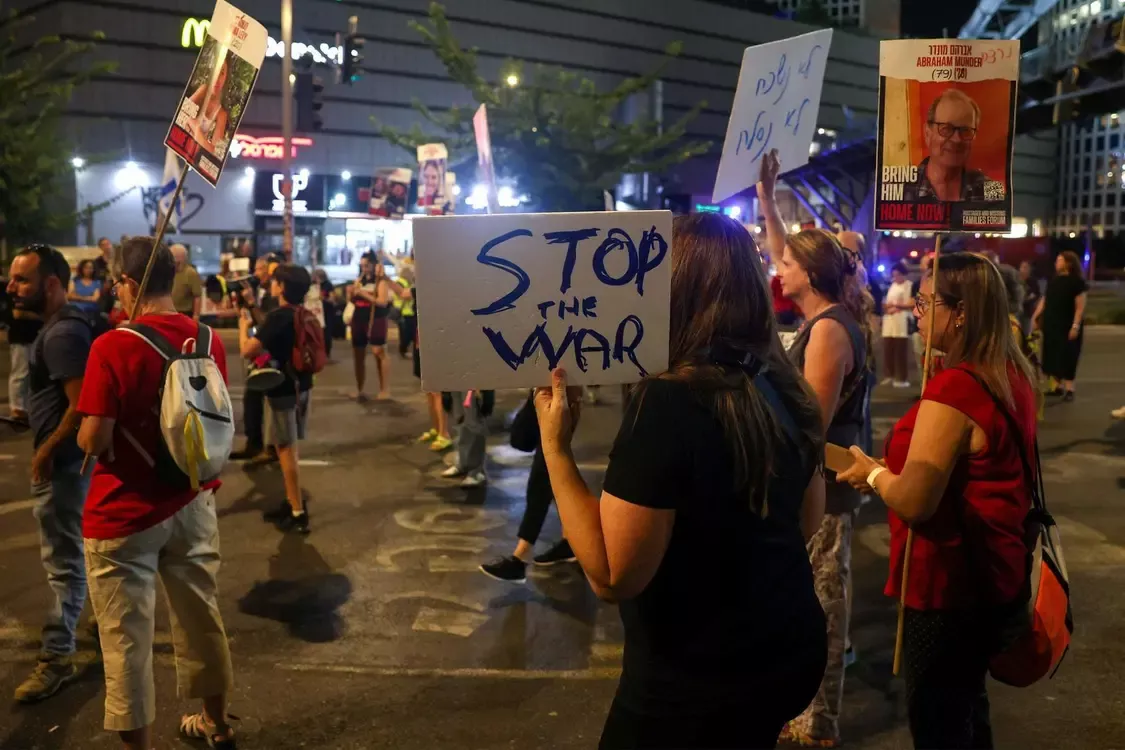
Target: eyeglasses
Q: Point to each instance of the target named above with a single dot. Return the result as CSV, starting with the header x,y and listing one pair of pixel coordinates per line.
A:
x,y
922,303
114,285
947,129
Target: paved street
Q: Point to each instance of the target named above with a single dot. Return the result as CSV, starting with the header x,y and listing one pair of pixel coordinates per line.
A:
x,y
378,632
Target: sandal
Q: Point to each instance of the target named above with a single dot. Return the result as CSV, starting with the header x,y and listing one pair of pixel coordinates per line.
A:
x,y
791,736
196,727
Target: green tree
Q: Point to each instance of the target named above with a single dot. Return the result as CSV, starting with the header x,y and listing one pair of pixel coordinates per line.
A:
x,y
554,131
37,78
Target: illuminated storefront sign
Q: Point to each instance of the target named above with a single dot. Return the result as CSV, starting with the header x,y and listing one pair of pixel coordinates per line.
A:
x,y
195,29
300,182
270,147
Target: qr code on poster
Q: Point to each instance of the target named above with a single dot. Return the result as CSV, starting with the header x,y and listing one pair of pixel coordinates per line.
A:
x,y
993,190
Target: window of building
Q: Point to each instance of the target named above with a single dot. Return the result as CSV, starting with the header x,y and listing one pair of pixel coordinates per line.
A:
x,y
1111,200
1097,200
1101,143
1115,140
1085,201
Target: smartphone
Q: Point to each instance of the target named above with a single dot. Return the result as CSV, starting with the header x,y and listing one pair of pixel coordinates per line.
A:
x,y
836,458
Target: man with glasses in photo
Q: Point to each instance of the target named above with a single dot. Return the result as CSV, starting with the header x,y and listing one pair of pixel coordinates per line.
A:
x,y
951,127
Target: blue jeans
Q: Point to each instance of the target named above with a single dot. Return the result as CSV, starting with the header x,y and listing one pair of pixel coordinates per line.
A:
x,y
58,508
471,434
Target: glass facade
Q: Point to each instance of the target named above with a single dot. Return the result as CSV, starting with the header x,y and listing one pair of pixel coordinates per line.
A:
x,y
842,12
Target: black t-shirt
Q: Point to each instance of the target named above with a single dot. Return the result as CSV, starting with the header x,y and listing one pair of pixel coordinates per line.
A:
x,y
278,335
731,612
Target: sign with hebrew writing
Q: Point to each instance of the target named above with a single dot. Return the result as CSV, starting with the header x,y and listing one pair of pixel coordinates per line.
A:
x,y
775,106
507,298
218,91
947,123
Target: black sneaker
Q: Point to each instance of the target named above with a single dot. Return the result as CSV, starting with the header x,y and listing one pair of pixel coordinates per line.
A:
x,y
559,553
248,453
296,524
509,569
279,513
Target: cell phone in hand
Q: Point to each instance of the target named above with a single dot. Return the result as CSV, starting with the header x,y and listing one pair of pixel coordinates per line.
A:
x,y
837,458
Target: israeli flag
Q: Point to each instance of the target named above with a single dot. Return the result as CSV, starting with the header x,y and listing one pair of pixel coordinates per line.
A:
x,y
168,187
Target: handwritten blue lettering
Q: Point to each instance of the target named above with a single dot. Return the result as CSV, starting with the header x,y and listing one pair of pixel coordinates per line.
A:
x,y
563,309
757,134
537,340
588,306
805,67
650,239
523,281
583,341
615,239
793,117
580,348
620,349
544,307
572,238
775,79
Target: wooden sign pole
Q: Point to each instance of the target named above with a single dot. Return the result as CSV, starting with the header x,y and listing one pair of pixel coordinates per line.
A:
x,y
927,363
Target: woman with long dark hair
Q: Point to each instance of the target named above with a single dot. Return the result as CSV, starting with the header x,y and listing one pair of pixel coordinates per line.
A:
x,y
830,349
85,288
962,488
712,488
1060,313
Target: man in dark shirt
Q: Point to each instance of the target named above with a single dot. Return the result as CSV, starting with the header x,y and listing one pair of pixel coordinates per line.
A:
x,y
287,405
1031,296
38,284
260,302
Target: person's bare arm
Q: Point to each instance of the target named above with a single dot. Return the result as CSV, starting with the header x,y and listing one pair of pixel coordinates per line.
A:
x,y
1079,314
95,436
775,227
68,426
1035,317
828,359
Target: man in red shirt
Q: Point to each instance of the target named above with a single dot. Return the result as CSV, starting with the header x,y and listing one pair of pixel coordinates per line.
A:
x,y
136,526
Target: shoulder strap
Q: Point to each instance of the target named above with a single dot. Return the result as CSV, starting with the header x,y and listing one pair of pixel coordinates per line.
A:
x,y
152,338
773,398
1033,475
203,340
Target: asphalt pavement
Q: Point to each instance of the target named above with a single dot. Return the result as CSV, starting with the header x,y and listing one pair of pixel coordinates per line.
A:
x,y
377,631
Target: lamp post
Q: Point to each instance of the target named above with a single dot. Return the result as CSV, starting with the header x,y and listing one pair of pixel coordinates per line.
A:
x,y
287,128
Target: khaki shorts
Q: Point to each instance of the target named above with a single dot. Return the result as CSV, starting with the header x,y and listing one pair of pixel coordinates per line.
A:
x,y
184,551
285,419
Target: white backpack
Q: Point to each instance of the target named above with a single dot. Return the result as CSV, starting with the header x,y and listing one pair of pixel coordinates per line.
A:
x,y
196,415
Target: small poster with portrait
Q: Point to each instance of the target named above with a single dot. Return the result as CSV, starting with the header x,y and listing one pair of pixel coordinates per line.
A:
x,y
432,162
218,91
947,123
390,187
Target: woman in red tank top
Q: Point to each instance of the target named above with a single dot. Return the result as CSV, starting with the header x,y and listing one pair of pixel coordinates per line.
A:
x,y
962,487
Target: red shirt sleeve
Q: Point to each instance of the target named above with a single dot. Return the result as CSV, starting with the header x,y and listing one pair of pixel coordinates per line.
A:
x,y
101,390
956,388
219,354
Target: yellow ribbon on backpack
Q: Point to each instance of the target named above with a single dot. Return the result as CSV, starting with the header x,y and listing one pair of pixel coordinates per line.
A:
x,y
195,451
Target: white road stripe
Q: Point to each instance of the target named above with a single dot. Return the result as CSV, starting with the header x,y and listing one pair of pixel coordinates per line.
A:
x,y
16,506
597,673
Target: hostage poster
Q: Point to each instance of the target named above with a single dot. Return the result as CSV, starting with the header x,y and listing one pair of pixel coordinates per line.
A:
x,y
947,118
218,90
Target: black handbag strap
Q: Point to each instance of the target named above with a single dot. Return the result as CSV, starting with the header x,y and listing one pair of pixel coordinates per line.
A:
x,y
1033,475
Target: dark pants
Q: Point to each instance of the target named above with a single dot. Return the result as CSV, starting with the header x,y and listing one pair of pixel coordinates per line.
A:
x,y
750,728
329,326
945,661
896,358
539,497
407,326
253,416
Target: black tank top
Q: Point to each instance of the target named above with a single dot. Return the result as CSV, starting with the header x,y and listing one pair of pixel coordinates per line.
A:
x,y
845,426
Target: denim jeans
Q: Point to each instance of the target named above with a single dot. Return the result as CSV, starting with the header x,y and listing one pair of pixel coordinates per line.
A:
x,y
472,432
19,376
58,508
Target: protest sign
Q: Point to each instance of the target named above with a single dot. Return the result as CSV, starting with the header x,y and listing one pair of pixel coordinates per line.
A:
x,y
389,189
218,91
947,120
775,106
512,296
432,160
486,168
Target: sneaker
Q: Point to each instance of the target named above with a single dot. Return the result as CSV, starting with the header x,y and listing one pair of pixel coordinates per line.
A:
x,y
886,381
508,569
902,384
560,552
248,453
51,673
450,459
298,524
279,513
428,436
440,444
1118,413
453,472
475,479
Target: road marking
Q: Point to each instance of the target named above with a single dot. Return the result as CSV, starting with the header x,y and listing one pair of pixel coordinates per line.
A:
x,y
438,519
20,541
7,457
16,506
447,621
437,596
313,462
595,673
466,544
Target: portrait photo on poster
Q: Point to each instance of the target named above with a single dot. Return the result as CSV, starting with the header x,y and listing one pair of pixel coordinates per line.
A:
x,y
432,159
946,132
390,187
512,296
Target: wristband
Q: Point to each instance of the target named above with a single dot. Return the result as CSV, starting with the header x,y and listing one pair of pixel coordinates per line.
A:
x,y
873,476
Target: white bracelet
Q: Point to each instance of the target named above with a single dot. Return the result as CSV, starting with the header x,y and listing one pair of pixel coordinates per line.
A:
x,y
873,476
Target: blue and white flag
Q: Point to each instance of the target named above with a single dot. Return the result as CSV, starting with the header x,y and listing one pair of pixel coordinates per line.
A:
x,y
168,187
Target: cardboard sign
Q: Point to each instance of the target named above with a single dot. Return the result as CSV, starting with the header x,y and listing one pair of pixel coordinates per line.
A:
x,y
775,106
218,91
509,297
486,168
947,123
432,162
390,187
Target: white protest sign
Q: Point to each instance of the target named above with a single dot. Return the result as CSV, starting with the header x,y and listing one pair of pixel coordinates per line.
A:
x,y
218,91
506,298
775,106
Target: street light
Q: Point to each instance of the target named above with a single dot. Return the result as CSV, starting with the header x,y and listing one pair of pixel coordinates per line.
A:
x,y
345,175
78,162
512,80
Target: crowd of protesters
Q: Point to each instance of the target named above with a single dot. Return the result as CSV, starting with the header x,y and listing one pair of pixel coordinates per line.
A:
x,y
718,466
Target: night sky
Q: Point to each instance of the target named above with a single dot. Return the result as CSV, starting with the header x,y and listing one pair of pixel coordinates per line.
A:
x,y
928,19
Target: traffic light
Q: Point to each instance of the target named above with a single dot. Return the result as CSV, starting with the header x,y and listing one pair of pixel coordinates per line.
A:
x,y
309,90
352,64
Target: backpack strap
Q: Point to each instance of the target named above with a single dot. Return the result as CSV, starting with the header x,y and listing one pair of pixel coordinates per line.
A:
x,y
203,340
150,336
